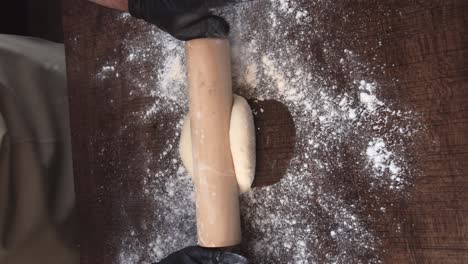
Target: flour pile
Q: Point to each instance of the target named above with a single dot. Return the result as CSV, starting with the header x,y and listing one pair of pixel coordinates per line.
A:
x,y
282,51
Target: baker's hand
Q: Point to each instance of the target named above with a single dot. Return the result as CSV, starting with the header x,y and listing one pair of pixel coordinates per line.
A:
x,y
199,255
183,19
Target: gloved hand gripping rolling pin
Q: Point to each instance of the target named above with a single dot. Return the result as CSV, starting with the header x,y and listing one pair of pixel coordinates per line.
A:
x,y
210,102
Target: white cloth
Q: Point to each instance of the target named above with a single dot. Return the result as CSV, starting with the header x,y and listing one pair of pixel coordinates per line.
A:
x,y
36,182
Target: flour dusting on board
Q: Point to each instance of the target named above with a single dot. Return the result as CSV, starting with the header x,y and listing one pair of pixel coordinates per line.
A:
x,y
343,127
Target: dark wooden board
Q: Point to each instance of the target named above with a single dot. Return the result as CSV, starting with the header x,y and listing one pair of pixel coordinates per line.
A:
x,y
425,44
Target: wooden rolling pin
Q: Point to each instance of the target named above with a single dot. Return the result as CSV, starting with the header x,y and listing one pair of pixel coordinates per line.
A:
x,y
210,102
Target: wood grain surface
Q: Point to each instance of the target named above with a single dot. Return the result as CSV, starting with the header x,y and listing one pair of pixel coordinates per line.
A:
x,y
425,47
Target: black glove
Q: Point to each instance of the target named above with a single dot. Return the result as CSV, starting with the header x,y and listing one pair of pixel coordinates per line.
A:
x,y
199,255
183,19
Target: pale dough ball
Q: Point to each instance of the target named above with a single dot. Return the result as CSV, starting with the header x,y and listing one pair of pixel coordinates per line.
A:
x,y
242,141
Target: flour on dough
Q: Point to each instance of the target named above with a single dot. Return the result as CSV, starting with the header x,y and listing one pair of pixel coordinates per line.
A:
x,y
242,141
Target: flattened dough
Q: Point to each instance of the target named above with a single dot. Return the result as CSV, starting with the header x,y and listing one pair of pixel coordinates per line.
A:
x,y
241,139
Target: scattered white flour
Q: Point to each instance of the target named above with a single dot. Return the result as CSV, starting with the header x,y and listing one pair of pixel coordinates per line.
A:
x,y
343,127
106,71
367,96
384,162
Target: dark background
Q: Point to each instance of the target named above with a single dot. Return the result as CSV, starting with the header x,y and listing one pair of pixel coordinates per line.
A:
x,y
42,19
